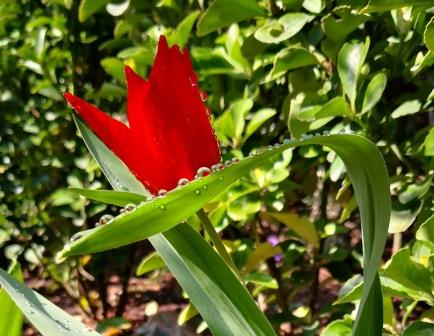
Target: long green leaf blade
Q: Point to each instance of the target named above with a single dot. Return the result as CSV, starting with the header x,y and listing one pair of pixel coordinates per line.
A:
x,y
11,322
45,316
365,167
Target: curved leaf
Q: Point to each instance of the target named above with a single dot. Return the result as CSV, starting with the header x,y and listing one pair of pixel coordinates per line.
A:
x,y
367,172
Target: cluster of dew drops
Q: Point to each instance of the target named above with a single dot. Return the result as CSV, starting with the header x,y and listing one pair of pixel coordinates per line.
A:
x,y
202,172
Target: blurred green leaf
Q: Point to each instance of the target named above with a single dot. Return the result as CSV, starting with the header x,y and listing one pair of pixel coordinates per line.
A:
x,y
276,31
302,226
150,263
407,108
89,7
429,143
222,13
385,5
350,61
338,328
420,328
110,196
374,91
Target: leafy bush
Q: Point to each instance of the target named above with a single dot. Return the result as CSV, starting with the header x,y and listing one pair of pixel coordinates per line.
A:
x,y
289,216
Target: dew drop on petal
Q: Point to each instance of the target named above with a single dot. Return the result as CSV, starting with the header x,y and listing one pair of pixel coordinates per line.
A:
x,y
162,192
183,182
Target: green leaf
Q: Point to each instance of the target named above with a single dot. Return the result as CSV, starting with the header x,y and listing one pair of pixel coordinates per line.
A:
x,y
336,107
301,225
407,108
214,290
114,67
420,328
350,62
183,30
261,253
88,7
150,263
338,328
374,91
409,274
11,323
429,143
289,59
426,231
110,196
401,219
314,6
114,169
258,118
285,27
45,316
367,172
386,5
222,13
428,35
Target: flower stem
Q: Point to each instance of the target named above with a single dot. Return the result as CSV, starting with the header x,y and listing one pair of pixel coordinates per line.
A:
x,y
216,241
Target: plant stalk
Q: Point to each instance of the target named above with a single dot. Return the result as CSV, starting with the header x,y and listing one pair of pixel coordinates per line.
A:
x,y
216,241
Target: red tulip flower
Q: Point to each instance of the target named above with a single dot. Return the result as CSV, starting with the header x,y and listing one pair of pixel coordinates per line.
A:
x,y
169,134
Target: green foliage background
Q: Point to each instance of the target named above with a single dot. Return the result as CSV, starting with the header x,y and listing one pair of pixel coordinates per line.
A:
x,y
271,69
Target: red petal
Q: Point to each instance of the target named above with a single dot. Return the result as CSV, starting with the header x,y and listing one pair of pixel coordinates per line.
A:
x,y
174,130
111,131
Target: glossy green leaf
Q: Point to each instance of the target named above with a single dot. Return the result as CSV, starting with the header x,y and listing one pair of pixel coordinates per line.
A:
x,y
110,196
341,22
385,5
350,61
426,231
374,91
261,253
301,225
89,7
407,108
212,287
367,172
11,322
420,328
411,275
258,118
334,108
150,263
114,67
285,27
222,13
289,59
338,328
45,316
428,35
429,143
183,30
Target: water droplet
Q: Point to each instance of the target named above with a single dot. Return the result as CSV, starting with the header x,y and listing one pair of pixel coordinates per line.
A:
x,y
205,187
30,312
162,207
203,171
326,133
162,193
183,182
76,237
197,192
105,219
217,167
286,141
228,163
221,178
235,160
192,82
203,96
276,145
130,207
